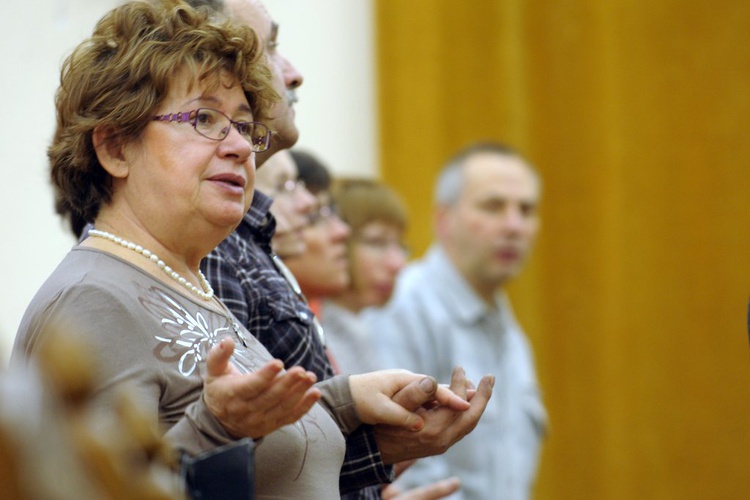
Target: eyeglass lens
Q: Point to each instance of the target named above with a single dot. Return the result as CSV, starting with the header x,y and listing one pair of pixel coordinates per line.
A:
x,y
214,124
323,213
290,186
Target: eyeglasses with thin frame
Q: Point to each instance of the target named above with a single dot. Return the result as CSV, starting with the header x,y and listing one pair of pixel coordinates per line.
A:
x,y
215,125
322,214
382,245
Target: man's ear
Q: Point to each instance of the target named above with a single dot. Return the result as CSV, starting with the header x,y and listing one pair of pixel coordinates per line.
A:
x,y
110,150
441,220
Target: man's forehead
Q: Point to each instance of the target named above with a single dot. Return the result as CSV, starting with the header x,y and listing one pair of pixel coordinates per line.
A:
x,y
493,164
254,14
499,173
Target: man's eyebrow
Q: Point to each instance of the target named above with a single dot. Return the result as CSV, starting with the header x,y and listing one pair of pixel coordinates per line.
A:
x,y
274,30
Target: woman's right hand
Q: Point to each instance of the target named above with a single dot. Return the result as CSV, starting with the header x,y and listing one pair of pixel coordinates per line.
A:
x,y
255,404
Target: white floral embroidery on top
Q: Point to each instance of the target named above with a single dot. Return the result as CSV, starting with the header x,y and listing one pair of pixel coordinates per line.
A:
x,y
191,336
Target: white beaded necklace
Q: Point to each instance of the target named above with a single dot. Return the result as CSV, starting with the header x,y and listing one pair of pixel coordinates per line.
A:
x,y
206,293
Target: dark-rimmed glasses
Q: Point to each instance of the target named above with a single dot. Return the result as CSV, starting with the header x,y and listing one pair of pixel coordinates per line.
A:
x,y
213,124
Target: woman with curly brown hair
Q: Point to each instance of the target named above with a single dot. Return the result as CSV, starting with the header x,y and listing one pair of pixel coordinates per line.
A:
x,y
159,116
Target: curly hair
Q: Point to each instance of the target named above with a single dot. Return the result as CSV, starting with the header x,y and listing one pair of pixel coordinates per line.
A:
x,y
118,78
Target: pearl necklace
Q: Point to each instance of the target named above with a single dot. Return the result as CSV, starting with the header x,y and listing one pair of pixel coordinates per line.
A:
x,y
206,295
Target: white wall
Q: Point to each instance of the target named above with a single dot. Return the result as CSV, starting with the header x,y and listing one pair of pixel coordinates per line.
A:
x,y
330,41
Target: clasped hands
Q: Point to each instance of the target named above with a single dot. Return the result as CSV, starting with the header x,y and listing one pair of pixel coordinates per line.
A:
x,y
413,416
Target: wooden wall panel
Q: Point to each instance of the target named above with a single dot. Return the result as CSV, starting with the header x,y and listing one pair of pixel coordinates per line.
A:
x,y
637,113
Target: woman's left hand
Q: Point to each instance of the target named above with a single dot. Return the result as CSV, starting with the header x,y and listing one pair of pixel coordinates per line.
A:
x,y
373,394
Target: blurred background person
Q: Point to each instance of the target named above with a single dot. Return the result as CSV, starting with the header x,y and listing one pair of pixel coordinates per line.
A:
x,y
377,219
449,308
292,203
323,266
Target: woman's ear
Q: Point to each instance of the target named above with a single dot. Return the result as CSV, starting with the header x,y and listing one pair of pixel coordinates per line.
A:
x,y
110,151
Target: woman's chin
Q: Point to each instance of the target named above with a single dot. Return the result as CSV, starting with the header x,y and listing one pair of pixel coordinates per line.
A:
x,y
227,220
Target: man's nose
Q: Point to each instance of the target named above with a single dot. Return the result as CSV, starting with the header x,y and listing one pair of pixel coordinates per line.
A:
x,y
292,77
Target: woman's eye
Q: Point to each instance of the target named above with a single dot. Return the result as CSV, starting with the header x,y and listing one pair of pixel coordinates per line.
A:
x,y
204,118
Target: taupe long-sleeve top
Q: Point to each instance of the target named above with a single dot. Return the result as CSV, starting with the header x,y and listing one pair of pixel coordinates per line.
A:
x,y
146,334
